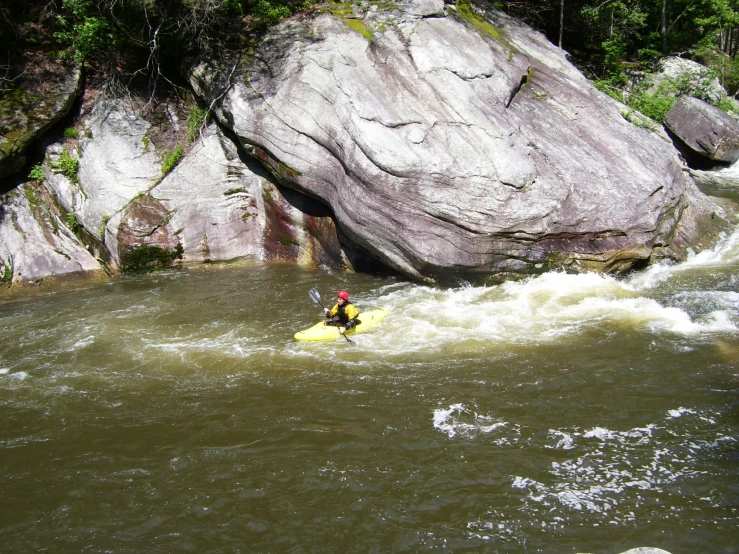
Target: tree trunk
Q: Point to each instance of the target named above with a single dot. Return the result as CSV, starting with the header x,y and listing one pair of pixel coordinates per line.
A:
x,y
561,20
664,26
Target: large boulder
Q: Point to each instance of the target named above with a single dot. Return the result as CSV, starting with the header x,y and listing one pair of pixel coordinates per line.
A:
x,y
31,108
453,142
705,130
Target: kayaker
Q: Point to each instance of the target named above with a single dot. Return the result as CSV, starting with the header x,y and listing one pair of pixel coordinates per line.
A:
x,y
344,311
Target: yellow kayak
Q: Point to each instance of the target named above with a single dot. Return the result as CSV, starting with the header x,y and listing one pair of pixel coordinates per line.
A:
x,y
320,331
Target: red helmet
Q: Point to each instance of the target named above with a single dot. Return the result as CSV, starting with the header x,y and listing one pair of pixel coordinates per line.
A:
x,y
343,294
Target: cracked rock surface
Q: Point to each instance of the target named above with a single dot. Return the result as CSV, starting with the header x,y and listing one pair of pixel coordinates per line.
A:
x,y
449,143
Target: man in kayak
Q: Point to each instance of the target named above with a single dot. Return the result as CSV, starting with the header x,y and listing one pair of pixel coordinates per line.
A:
x,y
344,311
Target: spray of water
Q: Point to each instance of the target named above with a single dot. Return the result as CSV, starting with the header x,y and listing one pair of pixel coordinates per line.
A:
x,y
556,307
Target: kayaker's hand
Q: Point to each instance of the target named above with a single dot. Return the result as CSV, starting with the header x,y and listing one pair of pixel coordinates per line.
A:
x,y
325,310
341,330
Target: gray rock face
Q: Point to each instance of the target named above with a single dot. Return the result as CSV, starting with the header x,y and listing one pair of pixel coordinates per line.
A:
x,y
455,145
29,111
35,242
211,204
705,129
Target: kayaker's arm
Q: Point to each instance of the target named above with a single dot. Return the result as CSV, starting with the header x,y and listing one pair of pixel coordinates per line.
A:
x,y
352,313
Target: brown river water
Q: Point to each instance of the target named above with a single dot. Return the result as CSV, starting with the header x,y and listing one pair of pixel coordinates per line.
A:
x,y
174,412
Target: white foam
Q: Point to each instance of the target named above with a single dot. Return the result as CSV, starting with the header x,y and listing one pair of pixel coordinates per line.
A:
x,y
565,441
595,482
452,421
679,412
82,343
543,309
725,253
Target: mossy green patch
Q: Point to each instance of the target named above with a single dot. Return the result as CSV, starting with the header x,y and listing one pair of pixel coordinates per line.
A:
x,y
30,195
345,12
281,170
358,26
467,13
284,240
146,258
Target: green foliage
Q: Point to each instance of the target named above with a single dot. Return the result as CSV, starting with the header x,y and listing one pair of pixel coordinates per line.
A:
x,y
197,117
655,102
71,133
80,33
266,13
67,166
36,173
7,275
654,106
613,55
145,258
171,159
72,222
727,105
725,67
648,57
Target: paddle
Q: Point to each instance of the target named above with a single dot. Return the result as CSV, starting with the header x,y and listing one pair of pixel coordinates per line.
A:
x,y
313,293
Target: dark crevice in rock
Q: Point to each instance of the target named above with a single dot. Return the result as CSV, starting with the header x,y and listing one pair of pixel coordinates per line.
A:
x,y
517,89
479,77
363,261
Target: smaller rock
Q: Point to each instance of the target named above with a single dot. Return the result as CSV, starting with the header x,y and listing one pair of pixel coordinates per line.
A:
x,y
704,129
672,68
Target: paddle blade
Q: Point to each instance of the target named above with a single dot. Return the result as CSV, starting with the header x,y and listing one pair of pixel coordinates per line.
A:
x,y
313,293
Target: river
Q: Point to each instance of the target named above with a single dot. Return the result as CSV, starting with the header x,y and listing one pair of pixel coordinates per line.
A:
x,y
561,413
